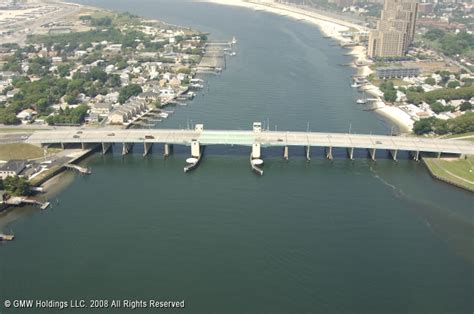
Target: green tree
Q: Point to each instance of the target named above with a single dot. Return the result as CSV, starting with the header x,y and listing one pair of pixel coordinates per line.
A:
x,y
434,34
423,126
64,70
453,84
390,95
465,106
437,107
430,81
129,91
17,186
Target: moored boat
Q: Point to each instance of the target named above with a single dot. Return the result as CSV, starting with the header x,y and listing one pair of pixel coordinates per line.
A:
x,y
6,237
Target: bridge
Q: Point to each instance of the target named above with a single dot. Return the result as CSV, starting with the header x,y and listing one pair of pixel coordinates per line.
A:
x,y
256,139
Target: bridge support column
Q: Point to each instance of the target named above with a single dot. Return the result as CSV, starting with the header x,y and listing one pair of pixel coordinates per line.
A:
x,y
439,155
83,146
350,153
167,149
394,152
285,152
416,155
329,153
146,148
62,145
195,149
372,152
126,148
255,150
308,152
105,148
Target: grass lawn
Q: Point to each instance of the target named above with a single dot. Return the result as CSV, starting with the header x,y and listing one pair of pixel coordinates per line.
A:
x,y
20,151
459,171
39,178
18,130
465,136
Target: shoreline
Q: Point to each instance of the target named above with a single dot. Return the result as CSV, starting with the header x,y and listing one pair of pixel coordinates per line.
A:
x,y
332,28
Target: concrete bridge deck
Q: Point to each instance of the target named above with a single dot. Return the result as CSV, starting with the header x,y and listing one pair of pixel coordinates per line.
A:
x,y
250,138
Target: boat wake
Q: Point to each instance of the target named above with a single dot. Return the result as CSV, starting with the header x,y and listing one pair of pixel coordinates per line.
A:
x,y
397,191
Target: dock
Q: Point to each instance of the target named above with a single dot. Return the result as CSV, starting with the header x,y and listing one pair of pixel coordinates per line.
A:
x,y
21,200
80,169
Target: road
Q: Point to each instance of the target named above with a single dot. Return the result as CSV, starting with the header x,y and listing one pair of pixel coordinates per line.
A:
x,y
248,138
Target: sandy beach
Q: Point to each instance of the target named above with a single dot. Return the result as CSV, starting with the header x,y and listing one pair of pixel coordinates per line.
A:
x,y
332,28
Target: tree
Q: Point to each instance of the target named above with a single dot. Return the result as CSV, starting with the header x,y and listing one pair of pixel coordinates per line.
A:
x,y
465,106
114,80
438,107
423,126
453,84
64,70
129,91
430,81
16,186
390,95
434,34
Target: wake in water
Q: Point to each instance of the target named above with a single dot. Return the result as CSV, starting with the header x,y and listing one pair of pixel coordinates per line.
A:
x,y
396,191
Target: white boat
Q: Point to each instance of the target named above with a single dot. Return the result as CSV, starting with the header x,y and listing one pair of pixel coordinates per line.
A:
x,y
234,41
257,162
199,86
355,85
233,54
191,160
163,115
361,101
6,237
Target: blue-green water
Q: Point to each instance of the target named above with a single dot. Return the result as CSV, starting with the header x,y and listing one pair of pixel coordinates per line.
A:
x,y
307,237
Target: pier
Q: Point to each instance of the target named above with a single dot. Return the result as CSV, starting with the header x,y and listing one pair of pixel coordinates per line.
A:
x,y
80,169
21,200
256,139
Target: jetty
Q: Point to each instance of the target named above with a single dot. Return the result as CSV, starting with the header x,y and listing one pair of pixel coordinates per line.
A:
x,y
78,168
21,200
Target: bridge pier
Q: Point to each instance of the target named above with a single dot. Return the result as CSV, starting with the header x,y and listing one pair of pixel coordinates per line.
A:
x,y
62,145
126,148
285,152
256,151
329,153
350,153
146,148
439,155
167,149
308,152
195,149
394,152
83,146
415,155
372,152
105,148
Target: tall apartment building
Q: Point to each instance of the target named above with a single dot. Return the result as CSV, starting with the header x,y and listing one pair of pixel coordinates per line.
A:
x,y
395,29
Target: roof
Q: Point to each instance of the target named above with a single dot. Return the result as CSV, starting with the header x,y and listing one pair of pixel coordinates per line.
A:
x,y
13,166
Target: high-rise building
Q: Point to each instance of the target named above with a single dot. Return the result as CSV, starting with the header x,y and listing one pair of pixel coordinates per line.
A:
x,y
395,29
